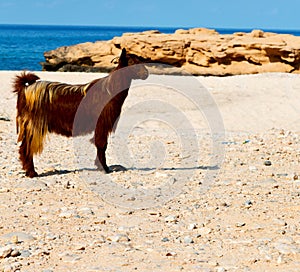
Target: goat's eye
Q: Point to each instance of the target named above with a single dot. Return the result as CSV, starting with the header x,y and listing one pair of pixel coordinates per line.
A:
x,y
130,62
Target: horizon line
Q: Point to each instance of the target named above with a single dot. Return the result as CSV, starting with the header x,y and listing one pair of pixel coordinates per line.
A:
x,y
155,27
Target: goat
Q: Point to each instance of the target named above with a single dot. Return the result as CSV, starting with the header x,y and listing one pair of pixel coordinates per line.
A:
x,y
52,107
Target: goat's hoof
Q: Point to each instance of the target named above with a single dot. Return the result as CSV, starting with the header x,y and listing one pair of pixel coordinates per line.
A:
x,y
101,168
31,174
117,168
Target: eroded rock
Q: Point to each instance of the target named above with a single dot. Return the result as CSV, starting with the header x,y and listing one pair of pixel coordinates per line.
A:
x,y
198,51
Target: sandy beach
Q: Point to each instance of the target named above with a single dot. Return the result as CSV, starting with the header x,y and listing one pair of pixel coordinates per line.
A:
x,y
226,166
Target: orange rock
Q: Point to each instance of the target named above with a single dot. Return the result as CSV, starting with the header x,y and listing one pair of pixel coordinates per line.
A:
x,y
198,51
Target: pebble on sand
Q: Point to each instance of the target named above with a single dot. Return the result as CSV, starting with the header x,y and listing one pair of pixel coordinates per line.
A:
x,y
171,219
118,238
267,163
188,240
5,251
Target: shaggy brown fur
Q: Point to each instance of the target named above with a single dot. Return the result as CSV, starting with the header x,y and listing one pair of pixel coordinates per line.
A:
x,y
44,107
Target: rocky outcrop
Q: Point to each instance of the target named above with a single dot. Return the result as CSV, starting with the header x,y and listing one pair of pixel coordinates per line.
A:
x,y
197,51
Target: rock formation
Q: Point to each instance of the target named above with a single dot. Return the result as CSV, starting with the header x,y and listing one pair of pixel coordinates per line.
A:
x,y
197,51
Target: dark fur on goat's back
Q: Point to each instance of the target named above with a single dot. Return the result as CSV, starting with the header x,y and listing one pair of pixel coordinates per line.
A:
x,y
44,106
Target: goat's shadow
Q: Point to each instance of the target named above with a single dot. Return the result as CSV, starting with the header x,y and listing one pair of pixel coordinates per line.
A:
x,y
202,167
145,169
56,172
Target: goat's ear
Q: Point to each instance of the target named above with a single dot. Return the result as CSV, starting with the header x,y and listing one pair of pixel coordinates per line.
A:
x,y
123,55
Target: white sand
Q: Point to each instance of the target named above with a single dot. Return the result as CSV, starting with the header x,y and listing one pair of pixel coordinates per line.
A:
x,y
247,220
247,103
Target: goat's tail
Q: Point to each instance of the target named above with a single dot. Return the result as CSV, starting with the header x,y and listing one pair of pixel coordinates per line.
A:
x,y
20,83
31,125
24,80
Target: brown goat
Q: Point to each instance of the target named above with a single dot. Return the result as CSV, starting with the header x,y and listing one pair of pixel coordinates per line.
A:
x,y
44,106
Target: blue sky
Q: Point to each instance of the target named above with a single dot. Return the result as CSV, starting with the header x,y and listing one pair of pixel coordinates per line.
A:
x,y
264,14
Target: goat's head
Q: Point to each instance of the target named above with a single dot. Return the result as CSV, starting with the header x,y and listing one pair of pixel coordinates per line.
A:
x,y
135,65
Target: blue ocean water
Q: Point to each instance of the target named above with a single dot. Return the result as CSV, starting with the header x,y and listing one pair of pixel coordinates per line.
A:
x,y
22,46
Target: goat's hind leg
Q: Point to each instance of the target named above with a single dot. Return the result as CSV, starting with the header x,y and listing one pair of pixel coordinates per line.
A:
x,y
27,159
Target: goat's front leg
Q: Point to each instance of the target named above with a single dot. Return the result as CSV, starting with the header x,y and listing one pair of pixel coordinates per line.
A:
x,y
100,138
101,158
101,162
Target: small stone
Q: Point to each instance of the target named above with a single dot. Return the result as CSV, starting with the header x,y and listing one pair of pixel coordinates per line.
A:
x,y
25,253
171,219
5,118
224,204
118,238
252,168
15,253
295,177
51,236
80,247
192,226
188,240
240,224
161,175
248,204
171,254
15,239
154,213
165,239
197,206
5,251
85,211
267,163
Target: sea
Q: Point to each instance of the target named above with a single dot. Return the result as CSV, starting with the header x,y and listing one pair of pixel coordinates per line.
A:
x,y
22,47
